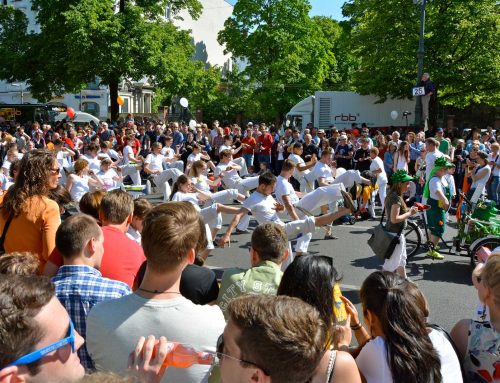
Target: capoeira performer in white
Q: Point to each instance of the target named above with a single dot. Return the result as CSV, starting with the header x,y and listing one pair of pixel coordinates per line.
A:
x,y
298,209
184,191
171,157
154,165
302,168
265,209
200,181
131,165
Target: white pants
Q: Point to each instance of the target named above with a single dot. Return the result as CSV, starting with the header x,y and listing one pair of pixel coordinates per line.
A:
x,y
133,172
398,257
174,165
325,195
161,180
382,192
244,185
224,196
209,216
241,162
305,186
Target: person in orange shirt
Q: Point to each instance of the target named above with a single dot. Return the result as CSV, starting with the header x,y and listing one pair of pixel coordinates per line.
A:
x,y
248,142
28,218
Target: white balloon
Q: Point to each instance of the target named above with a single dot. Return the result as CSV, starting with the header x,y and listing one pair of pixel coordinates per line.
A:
x,y
192,124
184,102
394,114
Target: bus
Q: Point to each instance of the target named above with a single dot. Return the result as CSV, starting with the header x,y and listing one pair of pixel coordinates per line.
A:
x,y
23,113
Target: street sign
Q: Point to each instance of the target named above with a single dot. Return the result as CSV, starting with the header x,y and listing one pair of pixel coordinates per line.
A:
x,y
419,91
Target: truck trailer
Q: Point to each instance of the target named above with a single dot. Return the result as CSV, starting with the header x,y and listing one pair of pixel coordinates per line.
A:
x,y
341,109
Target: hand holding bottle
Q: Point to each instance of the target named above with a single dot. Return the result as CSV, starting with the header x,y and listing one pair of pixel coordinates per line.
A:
x,y
146,361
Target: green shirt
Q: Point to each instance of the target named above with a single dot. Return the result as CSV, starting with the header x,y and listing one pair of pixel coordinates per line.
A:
x,y
444,146
261,279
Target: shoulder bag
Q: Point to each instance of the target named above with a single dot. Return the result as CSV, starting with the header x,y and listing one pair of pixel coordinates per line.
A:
x,y
5,228
383,242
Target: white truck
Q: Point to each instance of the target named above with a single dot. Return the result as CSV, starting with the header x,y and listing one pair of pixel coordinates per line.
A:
x,y
342,109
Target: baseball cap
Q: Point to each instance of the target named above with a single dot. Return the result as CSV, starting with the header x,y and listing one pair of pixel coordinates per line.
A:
x,y
440,130
343,137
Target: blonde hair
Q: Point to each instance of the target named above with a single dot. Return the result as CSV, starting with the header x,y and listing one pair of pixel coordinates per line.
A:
x,y
490,275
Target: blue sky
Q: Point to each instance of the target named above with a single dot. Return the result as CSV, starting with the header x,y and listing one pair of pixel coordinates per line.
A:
x,y
331,8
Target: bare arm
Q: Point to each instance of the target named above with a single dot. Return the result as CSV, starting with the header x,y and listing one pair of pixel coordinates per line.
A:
x,y
290,208
69,182
226,238
398,218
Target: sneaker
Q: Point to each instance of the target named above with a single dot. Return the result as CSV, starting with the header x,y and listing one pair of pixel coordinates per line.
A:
x,y
434,255
238,231
348,202
330,236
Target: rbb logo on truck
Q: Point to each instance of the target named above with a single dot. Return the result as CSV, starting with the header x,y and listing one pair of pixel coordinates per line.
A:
x,y
344,117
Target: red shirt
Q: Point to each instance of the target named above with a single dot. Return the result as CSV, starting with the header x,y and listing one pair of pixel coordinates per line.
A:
x,y
266,143
121,260
249,141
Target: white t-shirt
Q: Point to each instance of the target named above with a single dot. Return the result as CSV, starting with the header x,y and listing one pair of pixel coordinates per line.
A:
x,y
321,170
430,158
114,327
168,152
154,162
94,163
262,208
349,178
283,188
127,150
372,360
377,164
436,184
79,187
296,159
194,157
482,182
450,366
133,234
201,183
231,177
107,178
187,197
496,160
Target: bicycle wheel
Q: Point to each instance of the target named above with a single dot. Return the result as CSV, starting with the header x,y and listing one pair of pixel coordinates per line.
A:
x,y
488,242
413,238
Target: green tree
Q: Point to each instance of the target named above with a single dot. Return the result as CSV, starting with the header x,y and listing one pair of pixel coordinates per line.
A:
x,y
462,45
84,40
286,53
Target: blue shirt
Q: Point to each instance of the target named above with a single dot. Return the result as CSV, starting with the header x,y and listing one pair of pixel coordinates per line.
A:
x,y
415,150
177,139
79,288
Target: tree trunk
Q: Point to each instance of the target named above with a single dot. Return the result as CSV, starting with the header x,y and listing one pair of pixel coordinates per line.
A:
x,y
113,95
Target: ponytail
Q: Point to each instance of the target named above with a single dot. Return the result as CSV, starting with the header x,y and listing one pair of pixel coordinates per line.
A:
x,y
409,351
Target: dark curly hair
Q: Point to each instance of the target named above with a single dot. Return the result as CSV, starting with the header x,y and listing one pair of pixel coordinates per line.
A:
x,y
21,298
32,180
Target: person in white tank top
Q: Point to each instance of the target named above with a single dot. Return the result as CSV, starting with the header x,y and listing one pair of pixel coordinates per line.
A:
x,y
402,157
82,180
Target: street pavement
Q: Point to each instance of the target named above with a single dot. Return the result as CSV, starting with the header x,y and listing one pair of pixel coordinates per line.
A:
x,y
446,284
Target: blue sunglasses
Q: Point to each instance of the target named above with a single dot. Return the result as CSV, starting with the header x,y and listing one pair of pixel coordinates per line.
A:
x,y
39,354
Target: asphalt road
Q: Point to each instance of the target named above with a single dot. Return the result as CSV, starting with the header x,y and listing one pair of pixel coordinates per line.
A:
x,y
446,284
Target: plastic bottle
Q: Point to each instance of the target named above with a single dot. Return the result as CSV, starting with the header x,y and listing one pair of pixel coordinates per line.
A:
x,y
184,356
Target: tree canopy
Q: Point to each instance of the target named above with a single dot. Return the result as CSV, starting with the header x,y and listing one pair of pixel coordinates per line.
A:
x,y
287,54
81,40
462,45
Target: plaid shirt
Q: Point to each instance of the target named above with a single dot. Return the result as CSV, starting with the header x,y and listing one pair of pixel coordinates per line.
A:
x,y
79,288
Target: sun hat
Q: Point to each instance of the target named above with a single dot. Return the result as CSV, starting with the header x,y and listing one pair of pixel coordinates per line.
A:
x,y
401,176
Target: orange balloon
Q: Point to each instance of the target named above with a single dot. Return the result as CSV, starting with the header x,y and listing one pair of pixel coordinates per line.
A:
x,y
70,112
120,100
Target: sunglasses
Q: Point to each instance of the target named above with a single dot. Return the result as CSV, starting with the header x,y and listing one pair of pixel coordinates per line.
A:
x,y
220,355
39,354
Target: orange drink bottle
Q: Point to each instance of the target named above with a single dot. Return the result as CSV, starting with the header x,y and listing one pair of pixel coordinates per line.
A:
x,y
183,356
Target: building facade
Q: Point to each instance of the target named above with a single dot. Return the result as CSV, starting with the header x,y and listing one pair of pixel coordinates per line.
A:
x,y
137,95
